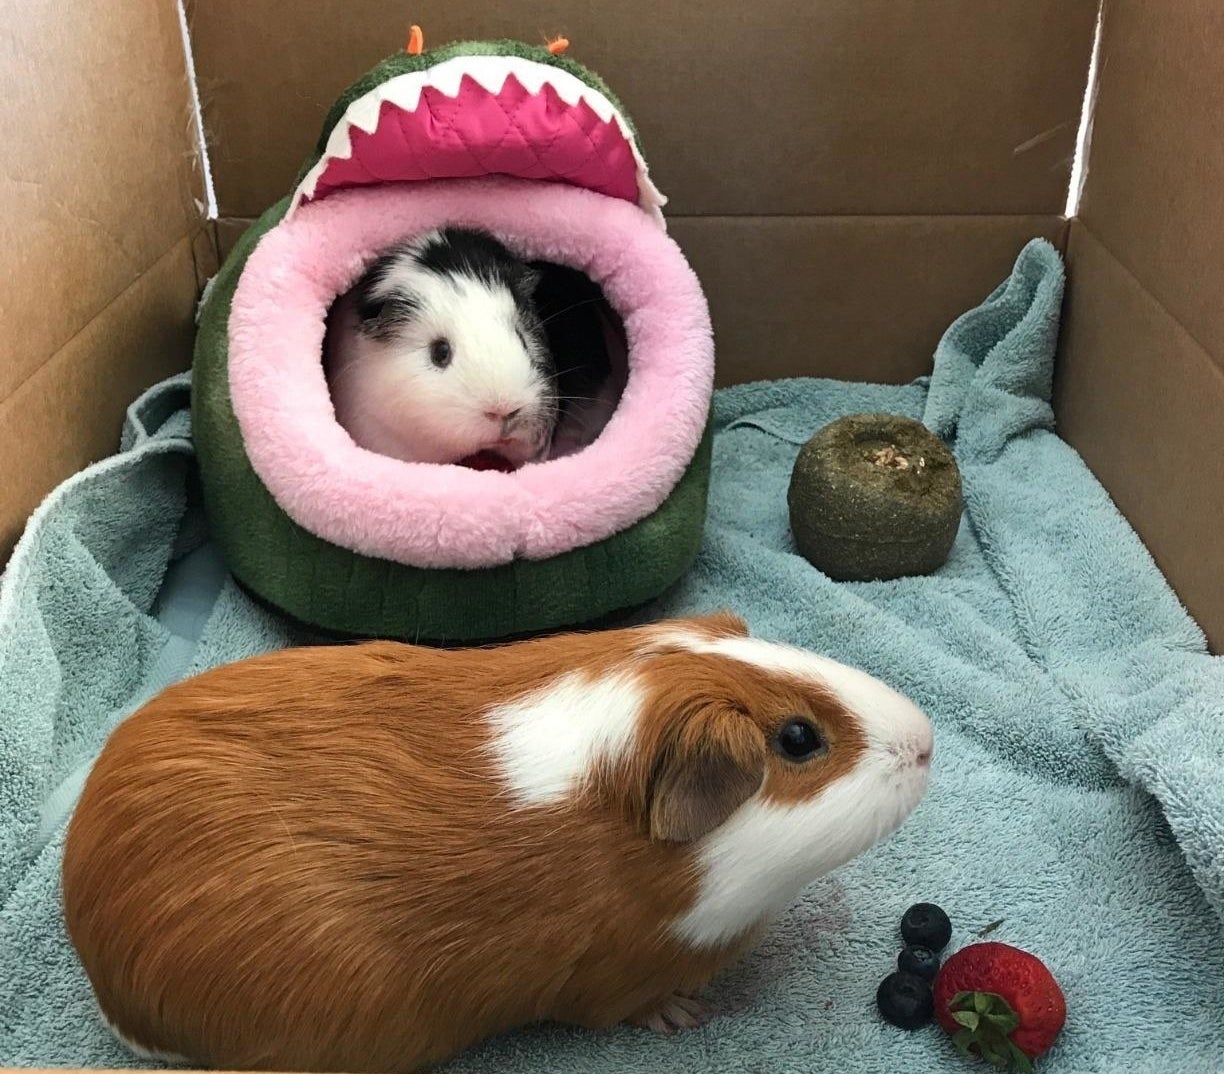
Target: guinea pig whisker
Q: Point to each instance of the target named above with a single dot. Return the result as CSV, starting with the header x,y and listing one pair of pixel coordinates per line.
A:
x,y
561,313
569,369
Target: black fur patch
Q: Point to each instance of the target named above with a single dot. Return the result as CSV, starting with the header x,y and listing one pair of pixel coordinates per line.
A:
x,y
572,309
382,315
476,254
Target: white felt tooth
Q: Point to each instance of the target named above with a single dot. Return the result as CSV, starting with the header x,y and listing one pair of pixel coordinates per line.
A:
x,y
649,195
363,112
311,182
339,143
533,77
602,107
306,190
650,198
569,88
404,91
446,78
491,72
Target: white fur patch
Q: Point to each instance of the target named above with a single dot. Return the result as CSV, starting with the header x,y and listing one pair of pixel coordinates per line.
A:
x,y
144,1053
549,743
891,721
756,863
392,399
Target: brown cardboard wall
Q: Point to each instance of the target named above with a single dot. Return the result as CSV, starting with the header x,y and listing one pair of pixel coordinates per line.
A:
x,y
1141,379
846,176
1153,192
858,298
1142,402
68,413
99,231
778,107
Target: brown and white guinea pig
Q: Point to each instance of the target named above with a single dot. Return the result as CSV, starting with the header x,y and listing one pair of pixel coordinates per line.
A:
x,y
367,858
437,354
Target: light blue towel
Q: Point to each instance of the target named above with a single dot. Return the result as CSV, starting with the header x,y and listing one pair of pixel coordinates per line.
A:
x,y
1078,786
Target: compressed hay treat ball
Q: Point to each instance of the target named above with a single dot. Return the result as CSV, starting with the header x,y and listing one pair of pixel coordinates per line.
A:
x,y
875,496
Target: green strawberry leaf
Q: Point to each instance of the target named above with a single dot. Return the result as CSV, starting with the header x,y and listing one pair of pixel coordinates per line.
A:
x,y
1005,1023
993,1056
962,1040
1023,1063
987,1021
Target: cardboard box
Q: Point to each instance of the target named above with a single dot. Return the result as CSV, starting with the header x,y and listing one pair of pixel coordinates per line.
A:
x,y
846,176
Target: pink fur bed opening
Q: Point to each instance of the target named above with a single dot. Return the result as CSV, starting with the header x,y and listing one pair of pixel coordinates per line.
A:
x,y
428,515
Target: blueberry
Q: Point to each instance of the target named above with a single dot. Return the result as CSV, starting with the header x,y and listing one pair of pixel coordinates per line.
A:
x,y
905,1000
926,925
920,961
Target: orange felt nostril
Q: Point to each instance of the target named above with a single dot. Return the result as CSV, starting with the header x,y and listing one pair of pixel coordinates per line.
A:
x,y
416,41
558,45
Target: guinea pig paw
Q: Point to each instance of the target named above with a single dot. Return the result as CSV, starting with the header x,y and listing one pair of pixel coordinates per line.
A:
x,y
676,1012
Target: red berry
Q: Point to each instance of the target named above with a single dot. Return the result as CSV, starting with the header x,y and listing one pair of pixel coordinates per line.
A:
x,y
487,460
1000,1002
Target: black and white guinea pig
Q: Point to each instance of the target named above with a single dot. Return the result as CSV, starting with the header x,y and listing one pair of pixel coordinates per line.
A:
x,y
438,354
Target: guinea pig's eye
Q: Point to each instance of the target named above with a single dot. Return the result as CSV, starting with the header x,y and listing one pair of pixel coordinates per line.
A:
x,y
799,740
440,353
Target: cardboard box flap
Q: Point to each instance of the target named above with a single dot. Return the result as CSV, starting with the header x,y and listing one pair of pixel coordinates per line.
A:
x,y
842,107
102,232
1152,187
1141,369
1142,402
98,178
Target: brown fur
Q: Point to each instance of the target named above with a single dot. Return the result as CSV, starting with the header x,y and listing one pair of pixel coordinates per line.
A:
x,y
305,861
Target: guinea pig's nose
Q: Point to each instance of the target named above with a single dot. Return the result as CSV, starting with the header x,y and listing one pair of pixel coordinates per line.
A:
x,y
503,413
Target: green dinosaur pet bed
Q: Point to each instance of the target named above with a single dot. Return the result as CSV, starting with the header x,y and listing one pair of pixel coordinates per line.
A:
x,y
525,145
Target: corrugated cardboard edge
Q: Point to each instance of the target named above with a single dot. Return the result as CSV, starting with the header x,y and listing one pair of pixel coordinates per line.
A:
x,y
1140,383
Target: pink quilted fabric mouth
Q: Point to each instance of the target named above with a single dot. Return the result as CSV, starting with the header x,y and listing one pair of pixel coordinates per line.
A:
x,y
429,515
513,132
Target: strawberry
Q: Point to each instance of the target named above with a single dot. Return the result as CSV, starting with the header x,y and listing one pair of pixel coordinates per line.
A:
x,y
1001,1002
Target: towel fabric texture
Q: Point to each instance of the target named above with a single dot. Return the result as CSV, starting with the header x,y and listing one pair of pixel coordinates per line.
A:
x,y
1077,795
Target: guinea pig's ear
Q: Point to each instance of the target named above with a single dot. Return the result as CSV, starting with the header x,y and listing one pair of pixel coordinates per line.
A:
x,y
722,623
703,773
527,280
